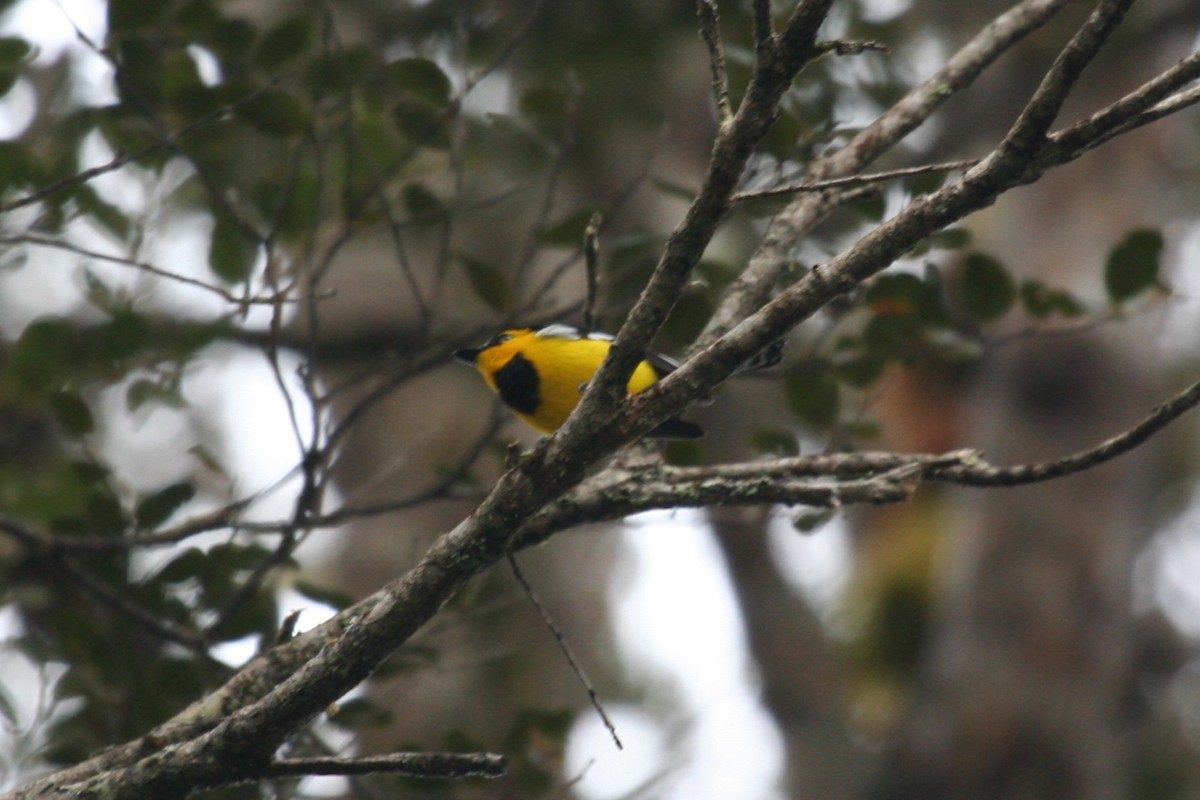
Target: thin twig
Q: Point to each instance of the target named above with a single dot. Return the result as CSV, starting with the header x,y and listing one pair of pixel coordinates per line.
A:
x,y
591,260
855,180
413,765
710,32
565,648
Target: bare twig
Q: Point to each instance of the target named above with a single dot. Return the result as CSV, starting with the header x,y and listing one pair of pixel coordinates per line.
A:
x,y
413,765
561,640
855,180
591,260
710,32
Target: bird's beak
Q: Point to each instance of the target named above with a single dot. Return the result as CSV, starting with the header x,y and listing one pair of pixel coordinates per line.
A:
x,y
468,355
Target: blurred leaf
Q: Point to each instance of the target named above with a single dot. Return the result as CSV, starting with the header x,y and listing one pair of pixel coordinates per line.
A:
x,y
359,712
924,184
13,51
1041,301
15,164
140,392
1132,266
8,711
781,139
422,122
382,146
859,372
567,232
871,207
124,335
330,597
103,213
813,398
420,78
188,565
341,70
89,472
987,290
546,107
127,16
287,41
808,522
231,39
105,517
775,442
489,283
40,357
274,112
230,255
420,202
256,615
688,317
896,294
72,413
157,508
684,452
232,557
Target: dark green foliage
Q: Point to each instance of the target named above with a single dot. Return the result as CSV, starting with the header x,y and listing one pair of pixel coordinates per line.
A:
x,y
1133,265
813,398
987,290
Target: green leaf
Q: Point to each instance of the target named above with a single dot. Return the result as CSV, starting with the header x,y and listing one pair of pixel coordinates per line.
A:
x,y
13,51
122,337
420,78
488,282
341,70
72,413
813,397
422,122
896,294
256,615
546,107
860,372
105,516
1041,301
157,508
420,202
808,522
127,16
1132,266
987,291
275,113
330,597
232,557
230,255
284,43
188,565
775,442
40,357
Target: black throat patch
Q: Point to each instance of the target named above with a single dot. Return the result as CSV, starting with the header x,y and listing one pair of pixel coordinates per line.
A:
x,y
517,382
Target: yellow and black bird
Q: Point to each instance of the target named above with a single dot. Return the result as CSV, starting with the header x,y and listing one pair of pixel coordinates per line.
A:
x,y
541,373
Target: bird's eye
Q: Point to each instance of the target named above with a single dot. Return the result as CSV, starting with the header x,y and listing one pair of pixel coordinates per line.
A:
x,y
498,339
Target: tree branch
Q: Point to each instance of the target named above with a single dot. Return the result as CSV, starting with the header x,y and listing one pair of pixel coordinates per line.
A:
x,y
412,765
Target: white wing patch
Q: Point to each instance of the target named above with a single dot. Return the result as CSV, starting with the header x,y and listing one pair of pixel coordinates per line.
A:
x,y
563,331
